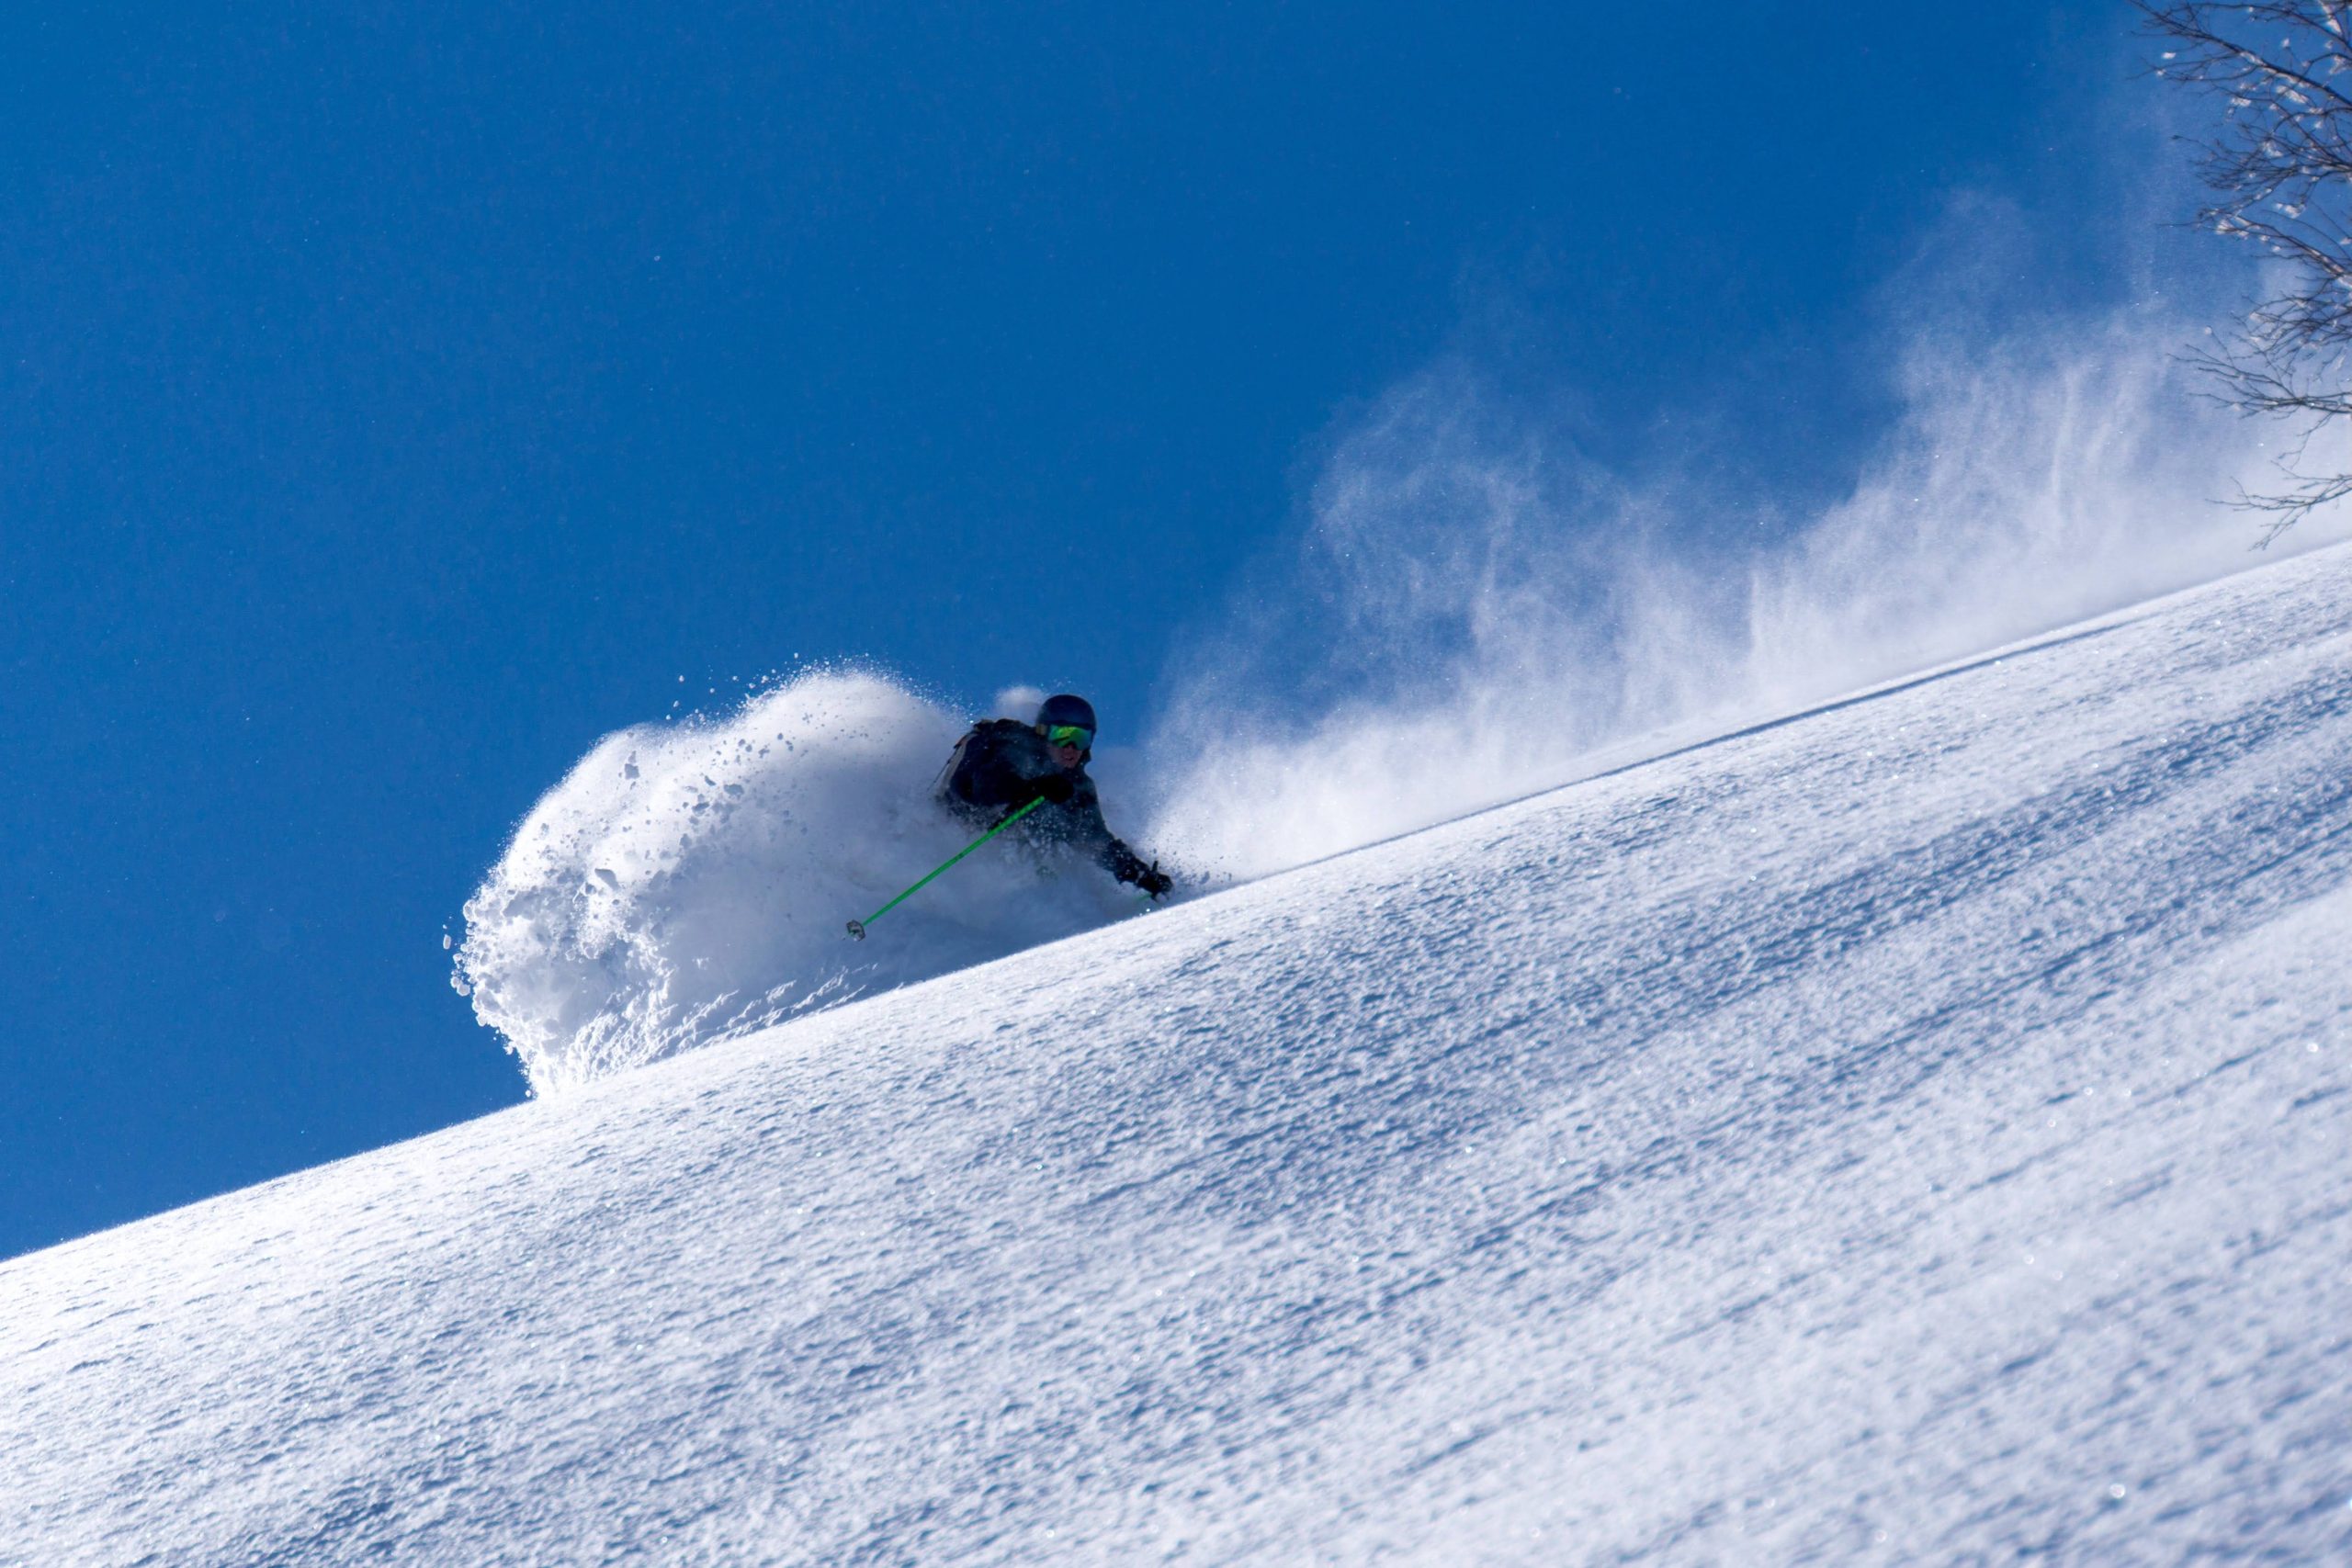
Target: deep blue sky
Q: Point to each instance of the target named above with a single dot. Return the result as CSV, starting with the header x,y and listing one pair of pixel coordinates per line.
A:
x,y
397,398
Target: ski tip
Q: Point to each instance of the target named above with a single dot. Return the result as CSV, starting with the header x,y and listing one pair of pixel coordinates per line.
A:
x,y
857,929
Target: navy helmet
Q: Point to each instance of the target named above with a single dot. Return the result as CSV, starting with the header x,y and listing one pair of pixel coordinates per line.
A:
x,y
1066,720
1066,709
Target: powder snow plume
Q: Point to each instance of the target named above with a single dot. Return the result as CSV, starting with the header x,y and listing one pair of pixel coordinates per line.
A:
x,y
1476,611
690,882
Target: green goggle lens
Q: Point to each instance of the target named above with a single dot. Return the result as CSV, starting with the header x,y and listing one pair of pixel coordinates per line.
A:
x,y
1075,735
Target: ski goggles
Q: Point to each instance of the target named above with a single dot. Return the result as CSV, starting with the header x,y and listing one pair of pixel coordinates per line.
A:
x,y
1077,735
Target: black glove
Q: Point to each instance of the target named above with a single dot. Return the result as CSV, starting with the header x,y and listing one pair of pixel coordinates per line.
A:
x,y
1054,787
1154,881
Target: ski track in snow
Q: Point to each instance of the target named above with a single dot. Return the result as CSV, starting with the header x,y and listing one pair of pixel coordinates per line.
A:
x,y
1913,1131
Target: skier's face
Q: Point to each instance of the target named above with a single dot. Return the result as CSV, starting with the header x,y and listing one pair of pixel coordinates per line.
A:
x,y
1067,743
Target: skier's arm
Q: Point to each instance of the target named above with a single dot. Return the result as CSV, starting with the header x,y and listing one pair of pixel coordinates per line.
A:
x,y
1124,864
1054,787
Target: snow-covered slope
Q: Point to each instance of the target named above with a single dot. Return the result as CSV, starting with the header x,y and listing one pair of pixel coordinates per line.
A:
x,y
1915,1129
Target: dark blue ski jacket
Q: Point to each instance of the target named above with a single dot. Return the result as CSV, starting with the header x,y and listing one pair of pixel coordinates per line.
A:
x,y
996,768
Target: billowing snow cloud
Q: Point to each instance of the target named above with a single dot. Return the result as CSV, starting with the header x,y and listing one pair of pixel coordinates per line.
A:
x,y
691,882
1476,612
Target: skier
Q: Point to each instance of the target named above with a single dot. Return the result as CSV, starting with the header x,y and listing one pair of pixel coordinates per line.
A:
x,y
1003,764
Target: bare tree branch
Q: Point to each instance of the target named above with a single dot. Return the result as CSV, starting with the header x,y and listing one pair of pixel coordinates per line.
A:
x,y
2279,172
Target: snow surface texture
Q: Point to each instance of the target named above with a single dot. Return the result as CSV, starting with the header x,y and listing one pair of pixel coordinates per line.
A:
x,y
690,883
1913,1131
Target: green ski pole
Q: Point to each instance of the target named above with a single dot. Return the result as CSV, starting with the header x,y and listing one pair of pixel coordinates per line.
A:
x,y
857,928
